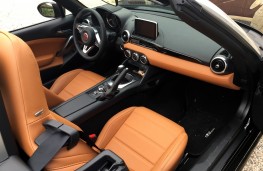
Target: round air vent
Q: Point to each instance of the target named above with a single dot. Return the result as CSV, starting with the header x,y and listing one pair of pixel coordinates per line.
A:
x,y
135,56
125,36
219,64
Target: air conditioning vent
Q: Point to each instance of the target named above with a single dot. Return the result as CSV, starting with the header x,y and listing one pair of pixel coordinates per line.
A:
x,y
219,64
125,36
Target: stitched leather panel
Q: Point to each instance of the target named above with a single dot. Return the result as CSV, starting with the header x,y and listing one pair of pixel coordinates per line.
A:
x,y
146,139
75,82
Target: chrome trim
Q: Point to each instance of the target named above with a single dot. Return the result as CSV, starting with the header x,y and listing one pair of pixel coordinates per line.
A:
x,y
87,49
120,86
135,56
154,22
39,113
144,57
129,53
223,58
65,46
128,35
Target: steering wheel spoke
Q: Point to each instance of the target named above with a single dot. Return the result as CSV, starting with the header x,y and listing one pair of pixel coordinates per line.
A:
x,y
87,49
97,36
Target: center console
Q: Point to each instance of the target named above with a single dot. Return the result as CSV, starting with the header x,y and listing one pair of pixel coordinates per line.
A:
x,y
125,81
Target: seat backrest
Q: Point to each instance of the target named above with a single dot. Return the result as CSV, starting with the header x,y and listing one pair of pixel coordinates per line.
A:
x,y
25,101
22,90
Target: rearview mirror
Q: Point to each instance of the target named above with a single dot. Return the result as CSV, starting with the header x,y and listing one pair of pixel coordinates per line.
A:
x,y
51,10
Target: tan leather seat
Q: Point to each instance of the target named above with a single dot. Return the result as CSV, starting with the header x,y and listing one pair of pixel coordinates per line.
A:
x,y
143,138
75,82
69,85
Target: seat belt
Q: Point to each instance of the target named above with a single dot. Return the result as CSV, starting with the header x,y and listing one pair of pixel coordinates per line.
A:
x,y
52,140
49,142
5,129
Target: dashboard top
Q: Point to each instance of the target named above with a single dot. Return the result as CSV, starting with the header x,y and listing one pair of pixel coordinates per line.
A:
x,y
174,35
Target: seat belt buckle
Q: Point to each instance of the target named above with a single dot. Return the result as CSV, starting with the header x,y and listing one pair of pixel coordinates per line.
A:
x,y
93,137
52,126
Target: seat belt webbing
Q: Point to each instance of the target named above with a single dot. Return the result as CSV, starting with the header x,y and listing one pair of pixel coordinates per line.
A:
x,y
47,150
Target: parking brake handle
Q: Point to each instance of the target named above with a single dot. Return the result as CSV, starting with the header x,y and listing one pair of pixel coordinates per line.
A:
x,y
114,88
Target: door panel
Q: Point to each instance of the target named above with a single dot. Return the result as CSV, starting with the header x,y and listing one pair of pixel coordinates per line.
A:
x,y
46,50
60,27
47,40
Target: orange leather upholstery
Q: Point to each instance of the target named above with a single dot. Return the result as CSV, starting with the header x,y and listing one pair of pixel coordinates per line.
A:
x,y
75,82
45,51
52,98
184,67
23,96
144,139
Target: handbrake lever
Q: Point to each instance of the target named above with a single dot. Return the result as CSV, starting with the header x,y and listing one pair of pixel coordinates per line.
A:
x,y
112,91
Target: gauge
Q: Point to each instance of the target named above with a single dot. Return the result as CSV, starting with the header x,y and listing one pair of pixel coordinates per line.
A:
x,y
112,20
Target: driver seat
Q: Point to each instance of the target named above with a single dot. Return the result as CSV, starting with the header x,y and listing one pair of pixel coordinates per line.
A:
x,y
144,139
71,84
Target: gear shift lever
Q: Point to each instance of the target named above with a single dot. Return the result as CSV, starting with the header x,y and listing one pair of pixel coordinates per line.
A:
x,y
111,91
120,68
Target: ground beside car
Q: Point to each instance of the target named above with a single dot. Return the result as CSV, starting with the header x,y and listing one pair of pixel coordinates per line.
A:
x,y
254,161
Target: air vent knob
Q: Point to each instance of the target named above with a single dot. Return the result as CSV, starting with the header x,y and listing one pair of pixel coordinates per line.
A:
x,y
219,64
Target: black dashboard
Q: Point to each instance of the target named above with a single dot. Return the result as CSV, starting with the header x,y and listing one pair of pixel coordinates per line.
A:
x,y
174,36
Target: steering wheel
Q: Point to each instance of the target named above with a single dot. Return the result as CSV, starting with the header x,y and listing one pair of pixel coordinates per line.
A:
x,y
90,40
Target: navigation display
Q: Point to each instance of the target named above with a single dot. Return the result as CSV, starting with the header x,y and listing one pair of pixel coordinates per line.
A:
x,y
146,28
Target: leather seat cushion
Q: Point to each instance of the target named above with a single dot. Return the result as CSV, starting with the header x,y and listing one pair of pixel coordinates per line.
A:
x,y
144,139
75,82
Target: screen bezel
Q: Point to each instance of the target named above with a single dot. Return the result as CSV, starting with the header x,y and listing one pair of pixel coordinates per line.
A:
x,y
146,21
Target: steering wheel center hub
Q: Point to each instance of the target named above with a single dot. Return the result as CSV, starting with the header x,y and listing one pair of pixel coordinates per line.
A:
x,y
88,36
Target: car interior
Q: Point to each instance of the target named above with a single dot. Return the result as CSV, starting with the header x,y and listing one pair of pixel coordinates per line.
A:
x,y
151,92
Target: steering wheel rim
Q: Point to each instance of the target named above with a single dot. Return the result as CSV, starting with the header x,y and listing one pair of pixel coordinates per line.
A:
x,y
90,37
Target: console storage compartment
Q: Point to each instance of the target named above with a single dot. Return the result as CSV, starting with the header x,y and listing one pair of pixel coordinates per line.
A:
x,y
105,161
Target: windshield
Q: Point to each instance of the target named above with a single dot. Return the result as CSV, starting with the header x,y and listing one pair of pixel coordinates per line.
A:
x,y
249,12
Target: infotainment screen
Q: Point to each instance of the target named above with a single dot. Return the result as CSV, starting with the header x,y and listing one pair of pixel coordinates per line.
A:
x,y
146,28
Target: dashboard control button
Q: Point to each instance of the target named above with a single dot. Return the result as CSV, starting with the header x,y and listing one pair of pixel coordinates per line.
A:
x,y
143,59
135,56
127,53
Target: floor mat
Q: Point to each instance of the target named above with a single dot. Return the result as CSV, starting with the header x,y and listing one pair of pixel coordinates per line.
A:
x,y
209,108
201,127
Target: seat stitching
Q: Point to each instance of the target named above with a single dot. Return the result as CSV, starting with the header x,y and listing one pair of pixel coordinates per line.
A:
x,y
58,158
66,91
62,167
91,78
144,136
156,123
133,150
173,146
22,93
112,121
63,76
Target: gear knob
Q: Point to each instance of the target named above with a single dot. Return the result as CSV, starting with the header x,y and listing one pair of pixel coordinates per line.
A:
x,y
120,68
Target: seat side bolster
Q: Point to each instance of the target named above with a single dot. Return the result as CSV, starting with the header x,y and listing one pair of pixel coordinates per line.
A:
x,y
112,127
64,80
171,158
